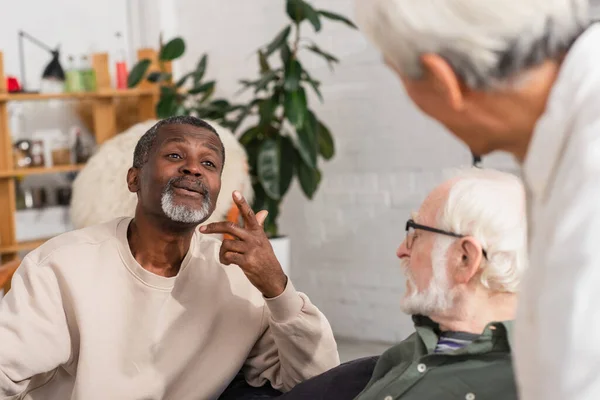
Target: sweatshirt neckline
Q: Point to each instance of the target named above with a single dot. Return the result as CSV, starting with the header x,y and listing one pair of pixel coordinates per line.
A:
x,y
145,276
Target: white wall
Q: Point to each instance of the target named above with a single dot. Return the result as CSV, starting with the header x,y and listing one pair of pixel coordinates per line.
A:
x,y
388,158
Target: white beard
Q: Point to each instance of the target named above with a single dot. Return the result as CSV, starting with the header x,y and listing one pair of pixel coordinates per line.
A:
x,y
438,298
179,213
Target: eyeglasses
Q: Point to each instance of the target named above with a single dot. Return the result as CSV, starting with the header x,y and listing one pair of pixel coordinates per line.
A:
x,y
411,226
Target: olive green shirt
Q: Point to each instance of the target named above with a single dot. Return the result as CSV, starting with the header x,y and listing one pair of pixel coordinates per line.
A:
x,y
411,369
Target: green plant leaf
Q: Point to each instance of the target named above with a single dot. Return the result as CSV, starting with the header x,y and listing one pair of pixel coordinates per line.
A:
x,y
330,58
295,10
279,41
264,202
166,91
337,17
200,69
156,76
183,79
293,71
243,114
314,84
263,82
137,72
205,87
263,62
309,178
308,140
312,16
166,107
295,107
266,109
275,166
220,105
285,54
172,50
250,135
207,95
326,143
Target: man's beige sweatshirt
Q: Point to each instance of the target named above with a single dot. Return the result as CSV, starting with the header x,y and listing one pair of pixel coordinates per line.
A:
x,y
85,321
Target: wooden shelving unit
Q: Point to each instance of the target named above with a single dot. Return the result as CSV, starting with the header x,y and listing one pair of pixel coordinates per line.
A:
x,y
104,127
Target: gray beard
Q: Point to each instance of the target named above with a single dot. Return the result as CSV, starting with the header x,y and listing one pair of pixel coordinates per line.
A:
x,y
180,213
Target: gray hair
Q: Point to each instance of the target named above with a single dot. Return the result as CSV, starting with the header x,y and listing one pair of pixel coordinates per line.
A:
x,y
490,206
486,42
148,139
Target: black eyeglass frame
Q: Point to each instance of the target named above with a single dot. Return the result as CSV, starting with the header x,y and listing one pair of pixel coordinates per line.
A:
x,y
412,224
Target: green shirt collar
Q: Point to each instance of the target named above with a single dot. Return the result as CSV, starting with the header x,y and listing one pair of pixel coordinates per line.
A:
x,y
495,331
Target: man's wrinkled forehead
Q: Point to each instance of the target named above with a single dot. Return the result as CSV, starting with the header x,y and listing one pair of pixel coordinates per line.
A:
x,y
189,134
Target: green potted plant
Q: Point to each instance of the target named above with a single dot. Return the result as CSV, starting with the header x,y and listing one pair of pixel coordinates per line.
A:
x,y
190,95
288,139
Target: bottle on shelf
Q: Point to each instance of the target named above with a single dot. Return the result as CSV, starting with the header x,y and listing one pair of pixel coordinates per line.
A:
x,y
80,151
74,81
88,76
120,63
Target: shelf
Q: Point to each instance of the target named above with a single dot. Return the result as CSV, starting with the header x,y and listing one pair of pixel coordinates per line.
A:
x,y
22,246
75,96
41,171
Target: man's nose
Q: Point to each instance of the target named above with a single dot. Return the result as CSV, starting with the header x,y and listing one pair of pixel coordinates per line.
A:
x,y
191,168
402,250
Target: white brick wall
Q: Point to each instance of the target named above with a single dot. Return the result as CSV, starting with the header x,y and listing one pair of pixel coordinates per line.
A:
x,y
388,158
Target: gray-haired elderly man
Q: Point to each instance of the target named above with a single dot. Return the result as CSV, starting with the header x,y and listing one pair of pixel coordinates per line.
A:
x,y
523,77
463,257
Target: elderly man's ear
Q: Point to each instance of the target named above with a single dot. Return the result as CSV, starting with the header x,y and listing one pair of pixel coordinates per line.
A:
x,y
470,257
132,180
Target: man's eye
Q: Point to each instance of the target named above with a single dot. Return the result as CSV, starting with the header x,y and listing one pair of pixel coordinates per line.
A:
x,y
174,155
209,163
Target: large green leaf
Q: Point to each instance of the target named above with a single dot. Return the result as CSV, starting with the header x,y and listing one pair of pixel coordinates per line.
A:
x,y
275,166
295,10
308,140
167,106
326,143
137,73
279,41
295,107
264,202
337,17
172,50
308,177
266,109
330,58
200,69
293,71
203,88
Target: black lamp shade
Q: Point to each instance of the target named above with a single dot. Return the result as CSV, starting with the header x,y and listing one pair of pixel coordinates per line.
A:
x,y
54,70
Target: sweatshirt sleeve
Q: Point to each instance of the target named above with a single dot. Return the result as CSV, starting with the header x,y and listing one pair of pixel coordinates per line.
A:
x,y
296,344
34,336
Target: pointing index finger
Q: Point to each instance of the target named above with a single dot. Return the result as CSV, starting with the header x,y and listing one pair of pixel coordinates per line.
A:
x,y
246,211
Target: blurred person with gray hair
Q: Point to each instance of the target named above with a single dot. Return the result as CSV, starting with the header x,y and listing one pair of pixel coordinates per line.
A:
x,y
522,77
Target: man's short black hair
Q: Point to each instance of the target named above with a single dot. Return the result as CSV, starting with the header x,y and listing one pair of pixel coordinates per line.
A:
x,y
148,139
